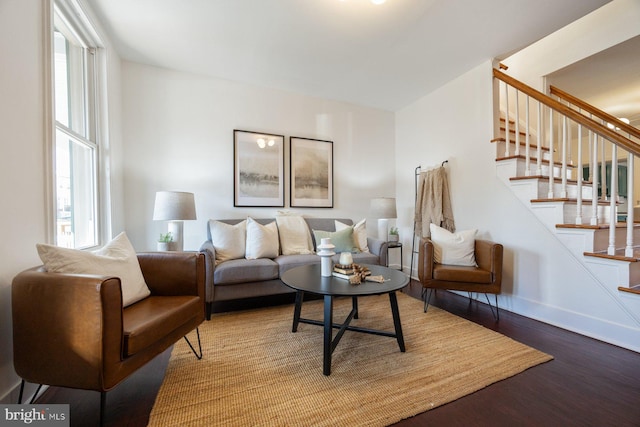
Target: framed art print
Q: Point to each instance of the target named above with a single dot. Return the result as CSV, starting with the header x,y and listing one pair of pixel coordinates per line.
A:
x,y
311,173
258,169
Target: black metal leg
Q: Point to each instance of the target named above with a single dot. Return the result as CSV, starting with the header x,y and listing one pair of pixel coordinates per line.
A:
x,y
393,299
496,314
198,355
296,310
354,305
427,297
21,391
328,334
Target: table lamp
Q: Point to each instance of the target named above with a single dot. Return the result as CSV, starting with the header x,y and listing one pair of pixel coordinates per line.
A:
x,y
175,207
384,209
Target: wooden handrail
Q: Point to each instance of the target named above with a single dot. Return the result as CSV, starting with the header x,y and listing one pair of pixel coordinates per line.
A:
x,y
631,130
587,122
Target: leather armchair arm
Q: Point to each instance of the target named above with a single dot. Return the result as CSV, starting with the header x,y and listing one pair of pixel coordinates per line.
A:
x,y
57,339
489,257
173,273
209,252
425,260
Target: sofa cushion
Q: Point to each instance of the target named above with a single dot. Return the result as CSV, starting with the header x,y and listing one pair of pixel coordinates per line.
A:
x,y
359,233
148,321
287,262
294,235
228,240
117,258
342,240
245,270
262,240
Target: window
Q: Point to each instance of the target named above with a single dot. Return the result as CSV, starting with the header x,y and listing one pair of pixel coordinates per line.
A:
x,y
75,140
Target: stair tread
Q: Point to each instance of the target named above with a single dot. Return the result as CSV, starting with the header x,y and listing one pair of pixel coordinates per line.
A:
x,y
619,255
631,289
546,178
522,143
532,159
596,227
570,200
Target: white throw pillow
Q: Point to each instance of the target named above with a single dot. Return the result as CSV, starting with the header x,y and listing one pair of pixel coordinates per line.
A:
x,y
262,240
454,248
294,235
228,240
117,258
359,233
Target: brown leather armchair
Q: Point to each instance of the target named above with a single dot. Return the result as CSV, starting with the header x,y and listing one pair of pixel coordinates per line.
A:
x,y
70,330
486,278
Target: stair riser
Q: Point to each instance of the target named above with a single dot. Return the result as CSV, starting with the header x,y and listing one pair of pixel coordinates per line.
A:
x,y
618,273
580,241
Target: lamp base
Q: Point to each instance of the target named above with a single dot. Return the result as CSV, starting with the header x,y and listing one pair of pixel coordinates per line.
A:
x,y
175,228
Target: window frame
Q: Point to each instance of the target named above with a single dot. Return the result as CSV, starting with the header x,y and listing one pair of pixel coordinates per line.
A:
x,y
76,21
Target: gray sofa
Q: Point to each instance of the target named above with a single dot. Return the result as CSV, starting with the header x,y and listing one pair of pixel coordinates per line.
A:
x,y
247,278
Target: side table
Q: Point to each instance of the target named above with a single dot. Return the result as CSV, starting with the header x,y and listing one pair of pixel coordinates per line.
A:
x,y
395,245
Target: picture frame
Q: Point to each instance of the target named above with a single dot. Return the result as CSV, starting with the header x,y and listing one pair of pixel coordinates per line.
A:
x,y
258,169
311,172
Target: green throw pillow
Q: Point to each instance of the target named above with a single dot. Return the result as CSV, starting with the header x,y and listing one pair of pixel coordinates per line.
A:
x,y
343,239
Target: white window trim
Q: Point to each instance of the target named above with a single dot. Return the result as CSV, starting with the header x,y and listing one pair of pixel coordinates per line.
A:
x,y
74,12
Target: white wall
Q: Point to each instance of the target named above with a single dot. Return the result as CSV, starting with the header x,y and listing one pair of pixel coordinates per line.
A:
x,y
178,131
22,161
22,165
542,280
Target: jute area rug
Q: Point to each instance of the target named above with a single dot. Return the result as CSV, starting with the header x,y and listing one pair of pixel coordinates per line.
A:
x,y
256,372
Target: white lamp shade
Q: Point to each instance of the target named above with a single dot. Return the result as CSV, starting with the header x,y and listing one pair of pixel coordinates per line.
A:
x,y
383,208
174,206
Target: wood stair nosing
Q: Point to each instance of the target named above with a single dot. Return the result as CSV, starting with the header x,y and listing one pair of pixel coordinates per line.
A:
x,y
616,257
522,144
533,160
585,202
631,289
596,227
544,177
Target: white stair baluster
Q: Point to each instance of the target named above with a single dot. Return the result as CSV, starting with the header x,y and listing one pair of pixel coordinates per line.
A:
x,y
579,178
540,139
506,120
628,251
517,151
551,156
594,176
527,142
613,217
563,191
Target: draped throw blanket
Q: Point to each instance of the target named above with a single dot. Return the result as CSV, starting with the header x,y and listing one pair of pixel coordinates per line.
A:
x,y
433,202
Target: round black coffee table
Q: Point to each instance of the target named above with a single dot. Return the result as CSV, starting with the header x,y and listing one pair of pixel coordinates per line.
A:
x,y
308,279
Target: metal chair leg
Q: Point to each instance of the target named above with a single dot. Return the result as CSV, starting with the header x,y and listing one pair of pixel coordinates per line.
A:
x,y
496,315
21,391
198,356
33,398
426,294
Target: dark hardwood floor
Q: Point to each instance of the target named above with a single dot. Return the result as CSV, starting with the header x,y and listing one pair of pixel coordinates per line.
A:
x,y
589,383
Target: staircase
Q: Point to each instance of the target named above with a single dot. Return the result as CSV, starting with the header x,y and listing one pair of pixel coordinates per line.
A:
x,y
542,145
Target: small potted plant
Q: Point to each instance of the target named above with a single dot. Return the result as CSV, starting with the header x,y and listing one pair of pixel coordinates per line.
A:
x,y
393,235
165,242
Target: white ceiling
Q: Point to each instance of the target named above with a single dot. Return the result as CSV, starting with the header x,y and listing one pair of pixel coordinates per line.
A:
x,y
384,56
